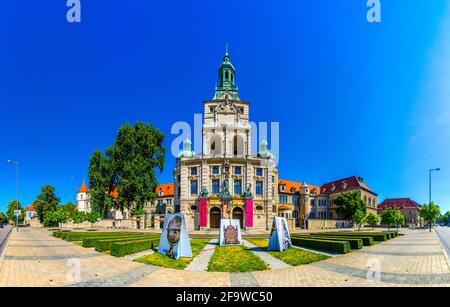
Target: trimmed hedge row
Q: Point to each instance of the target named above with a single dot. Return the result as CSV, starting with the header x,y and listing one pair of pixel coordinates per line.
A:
x,y
79,236
367,241
92,241
120,249
355,243
106,245
376,236
342,247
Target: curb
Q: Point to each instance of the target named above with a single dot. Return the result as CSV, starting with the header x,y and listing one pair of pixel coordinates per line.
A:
x,y
444,248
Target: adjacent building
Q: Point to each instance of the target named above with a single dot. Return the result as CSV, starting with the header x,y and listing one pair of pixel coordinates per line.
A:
x,y
408,207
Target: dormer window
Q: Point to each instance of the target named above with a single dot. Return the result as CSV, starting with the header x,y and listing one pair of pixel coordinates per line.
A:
x,y
282,188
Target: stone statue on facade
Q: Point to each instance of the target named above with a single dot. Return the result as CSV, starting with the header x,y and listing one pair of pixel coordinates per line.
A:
x,y
248,192
204,192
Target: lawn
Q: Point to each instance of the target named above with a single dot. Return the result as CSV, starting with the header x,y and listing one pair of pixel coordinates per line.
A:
x,y
161,260
235,259
292,256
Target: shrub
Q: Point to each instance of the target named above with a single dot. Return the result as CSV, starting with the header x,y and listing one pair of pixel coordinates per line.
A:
x,y
342,247
377,236
106,244
355,243
120,249
79,236
91,241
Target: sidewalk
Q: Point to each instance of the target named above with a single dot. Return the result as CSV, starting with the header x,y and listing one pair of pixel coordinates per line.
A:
x,y
34,258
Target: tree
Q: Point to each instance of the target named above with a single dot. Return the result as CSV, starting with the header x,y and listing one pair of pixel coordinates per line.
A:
x,y
358,218
69,207
78,217
12,206
430,213
388,218
46,202
444,218
3,218
128,168
92,217
56,217
348,203
372,220
398,219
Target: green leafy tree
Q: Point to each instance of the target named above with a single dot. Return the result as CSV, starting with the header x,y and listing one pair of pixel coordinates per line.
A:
x,y
128,167
444,218
78,217
399,219
3,218
372,220
430,213
388,218
46,202
92,217
69,207
56,217
348,203
10,211
358,218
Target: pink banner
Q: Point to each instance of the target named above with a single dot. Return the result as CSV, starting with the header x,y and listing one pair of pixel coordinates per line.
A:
x,y
249,213
203,212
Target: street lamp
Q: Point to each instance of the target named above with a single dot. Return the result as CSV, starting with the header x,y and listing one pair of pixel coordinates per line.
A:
x,y
17,189
432,170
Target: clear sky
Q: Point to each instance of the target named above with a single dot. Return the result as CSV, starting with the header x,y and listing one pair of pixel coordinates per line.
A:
x,y
352,98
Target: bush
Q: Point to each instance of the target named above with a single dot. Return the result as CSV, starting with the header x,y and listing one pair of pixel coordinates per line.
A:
x,y
342,247
106,244
92,240
120,249
355,243
377,236
79,236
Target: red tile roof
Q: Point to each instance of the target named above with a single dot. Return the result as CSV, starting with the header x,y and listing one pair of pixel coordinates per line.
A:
x,y
30,208
399,203
342,185
296,186
167,189
83,188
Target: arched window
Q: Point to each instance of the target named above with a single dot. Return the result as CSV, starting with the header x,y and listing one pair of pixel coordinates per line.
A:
x,y
226,75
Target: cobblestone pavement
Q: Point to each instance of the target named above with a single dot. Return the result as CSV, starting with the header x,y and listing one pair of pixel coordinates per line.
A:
x,y
200,263
270,260
138,255
34,258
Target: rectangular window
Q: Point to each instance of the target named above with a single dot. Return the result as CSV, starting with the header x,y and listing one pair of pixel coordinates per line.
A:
x,y
193,171
237,187
237,170
259,171
283,199
259,188
215,186
294,200
215,170
194,187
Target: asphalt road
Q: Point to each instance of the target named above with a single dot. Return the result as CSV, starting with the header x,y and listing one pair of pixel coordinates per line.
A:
x,y
4,232
444,236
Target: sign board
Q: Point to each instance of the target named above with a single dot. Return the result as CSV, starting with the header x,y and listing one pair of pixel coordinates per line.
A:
x,y
174,241
230,232
17,212
280,238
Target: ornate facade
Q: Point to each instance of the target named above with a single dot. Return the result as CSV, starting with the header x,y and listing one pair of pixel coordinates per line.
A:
x,y
225,180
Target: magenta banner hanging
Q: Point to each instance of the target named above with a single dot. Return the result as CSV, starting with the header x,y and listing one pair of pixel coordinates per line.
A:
x,y
203,212
249,213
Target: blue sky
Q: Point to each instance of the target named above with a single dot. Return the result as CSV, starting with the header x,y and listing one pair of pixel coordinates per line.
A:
x,y
352,98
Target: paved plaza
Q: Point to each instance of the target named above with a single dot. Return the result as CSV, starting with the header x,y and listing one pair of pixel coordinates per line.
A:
x,y
33,257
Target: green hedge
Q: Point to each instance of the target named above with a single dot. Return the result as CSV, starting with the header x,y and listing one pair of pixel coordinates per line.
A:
x,y
378,236
106,245
120,249
74,236
342,247
367,241
355,243
92,241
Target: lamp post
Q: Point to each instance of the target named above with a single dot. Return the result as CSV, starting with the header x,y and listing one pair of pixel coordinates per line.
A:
x,y
431,170
17,189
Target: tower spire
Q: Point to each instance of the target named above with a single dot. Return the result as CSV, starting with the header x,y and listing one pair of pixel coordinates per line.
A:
x,y
226,78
